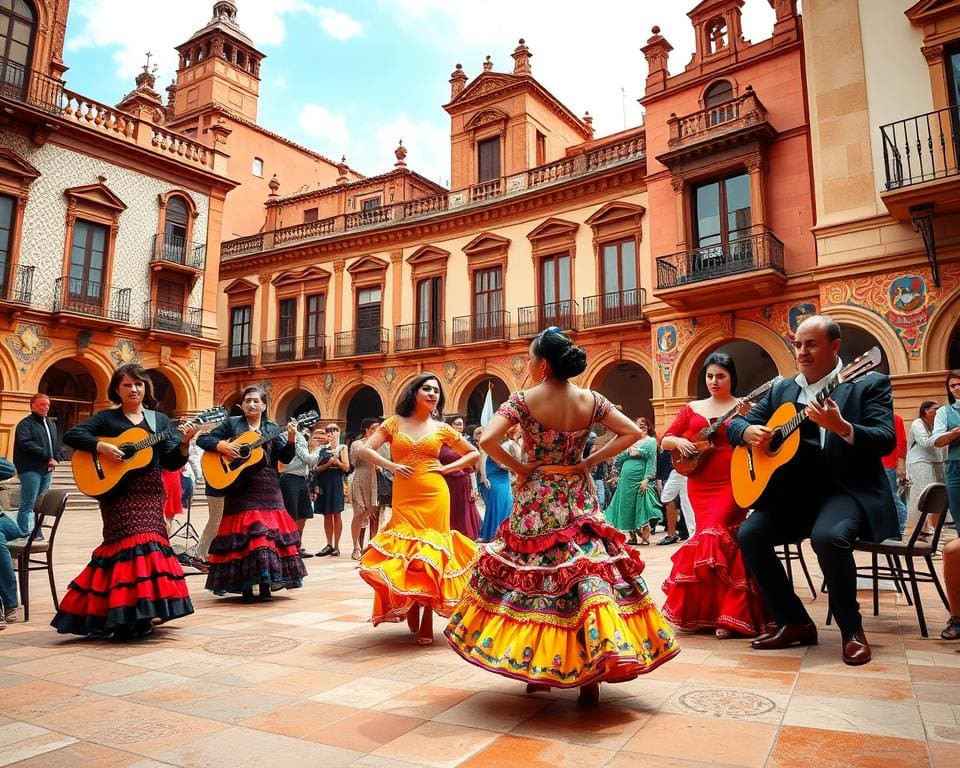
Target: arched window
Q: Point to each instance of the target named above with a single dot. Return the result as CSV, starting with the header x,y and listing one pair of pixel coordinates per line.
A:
x,y
17,23
718,93
175,229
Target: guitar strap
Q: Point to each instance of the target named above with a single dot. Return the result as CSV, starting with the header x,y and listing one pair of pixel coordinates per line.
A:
x,y
151,418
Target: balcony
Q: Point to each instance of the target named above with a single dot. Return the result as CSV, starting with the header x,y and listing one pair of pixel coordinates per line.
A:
x,y
428,335
34,89
362,341
17,288
488,326
920,158
93,300
241,355
533,319
749,266
294,349
614,308
178,252
302,231
170,318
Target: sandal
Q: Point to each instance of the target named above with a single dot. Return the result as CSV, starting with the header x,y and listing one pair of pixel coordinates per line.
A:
x,y
952,632
722,633
356,553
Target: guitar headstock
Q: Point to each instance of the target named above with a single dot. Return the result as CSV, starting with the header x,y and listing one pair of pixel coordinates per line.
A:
x,y
210,415
861,365
307,419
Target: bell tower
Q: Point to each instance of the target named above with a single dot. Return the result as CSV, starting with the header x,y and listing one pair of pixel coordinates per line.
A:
x,y
219,65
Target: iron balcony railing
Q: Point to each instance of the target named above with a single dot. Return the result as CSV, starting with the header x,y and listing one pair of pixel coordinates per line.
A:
x,y
83,297
35,89
362,341
294,349
237,355
425,335
921,148
176,250
617,307
746,253
487,326
533,319
18,287
161,316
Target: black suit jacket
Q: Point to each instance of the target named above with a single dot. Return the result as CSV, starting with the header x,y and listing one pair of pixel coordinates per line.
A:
x,y
868,405
31,450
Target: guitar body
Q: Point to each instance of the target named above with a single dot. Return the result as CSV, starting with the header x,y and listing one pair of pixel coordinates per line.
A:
x,y
751,469
221,472
96,474
687,465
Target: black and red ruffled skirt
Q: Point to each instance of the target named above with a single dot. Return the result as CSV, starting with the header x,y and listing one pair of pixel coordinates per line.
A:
x,y
255,546
133,579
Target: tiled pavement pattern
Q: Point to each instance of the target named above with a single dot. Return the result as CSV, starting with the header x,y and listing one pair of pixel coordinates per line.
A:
x,y
305,681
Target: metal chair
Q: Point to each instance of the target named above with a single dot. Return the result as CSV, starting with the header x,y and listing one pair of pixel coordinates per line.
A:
x,y
794,551
37,554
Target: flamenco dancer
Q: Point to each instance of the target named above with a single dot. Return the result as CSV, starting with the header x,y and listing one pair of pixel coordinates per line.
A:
x,y
709,586
417,562
133,580
257,544
558,600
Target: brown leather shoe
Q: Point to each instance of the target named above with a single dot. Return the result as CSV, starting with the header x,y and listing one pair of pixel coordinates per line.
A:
x,y
856,650
787,635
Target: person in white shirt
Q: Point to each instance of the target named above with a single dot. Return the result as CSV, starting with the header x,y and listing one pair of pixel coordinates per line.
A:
x,y
924,459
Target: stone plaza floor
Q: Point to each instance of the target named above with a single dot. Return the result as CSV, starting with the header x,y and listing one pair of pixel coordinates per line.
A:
x,y
305,680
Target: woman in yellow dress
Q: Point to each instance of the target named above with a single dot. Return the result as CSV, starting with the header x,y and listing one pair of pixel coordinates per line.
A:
x,y
558,600
416,560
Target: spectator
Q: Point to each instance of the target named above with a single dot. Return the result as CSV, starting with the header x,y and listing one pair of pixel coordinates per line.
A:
x,y
36,452
924,461
9,530
895,467
951,583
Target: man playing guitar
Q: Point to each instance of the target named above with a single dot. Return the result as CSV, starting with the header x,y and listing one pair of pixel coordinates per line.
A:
x,y
834,490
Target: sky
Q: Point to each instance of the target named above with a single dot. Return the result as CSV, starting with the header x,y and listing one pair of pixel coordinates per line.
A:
x,y
354,77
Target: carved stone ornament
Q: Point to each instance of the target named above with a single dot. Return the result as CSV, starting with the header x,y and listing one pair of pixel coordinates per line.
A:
x,y
124,352
933,54
27,344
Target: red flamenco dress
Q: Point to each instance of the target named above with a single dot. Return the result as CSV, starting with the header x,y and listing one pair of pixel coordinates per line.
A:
x,y
557,598
709,586
257,542
133,579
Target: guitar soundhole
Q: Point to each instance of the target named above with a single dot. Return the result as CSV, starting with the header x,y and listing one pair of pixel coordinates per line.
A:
x,y
244,451
129,451
775,444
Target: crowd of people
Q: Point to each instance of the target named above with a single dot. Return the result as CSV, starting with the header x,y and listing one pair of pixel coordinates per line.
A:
x,y
546,585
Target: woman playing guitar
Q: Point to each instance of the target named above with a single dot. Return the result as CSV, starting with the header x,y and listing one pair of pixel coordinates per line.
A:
x,y
133,580
709,586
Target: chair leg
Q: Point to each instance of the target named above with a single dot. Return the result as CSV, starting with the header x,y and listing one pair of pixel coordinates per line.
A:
x,y
902,579
916,597
806,572
936,582
876,584
53,583
787,558
893,574
24,572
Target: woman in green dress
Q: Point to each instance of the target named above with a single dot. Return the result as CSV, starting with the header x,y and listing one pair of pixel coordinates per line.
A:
x,y
635,502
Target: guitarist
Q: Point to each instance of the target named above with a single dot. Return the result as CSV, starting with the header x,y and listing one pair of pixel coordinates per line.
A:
x,y
834,490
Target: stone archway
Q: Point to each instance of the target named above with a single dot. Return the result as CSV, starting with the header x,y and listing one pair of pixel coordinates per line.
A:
x,y
855,340
232,403
73,392
164,391
361,404
953,351
754,367
473,397
294,403
627,384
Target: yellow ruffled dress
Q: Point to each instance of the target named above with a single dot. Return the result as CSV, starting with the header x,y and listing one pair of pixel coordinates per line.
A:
x,y
417,558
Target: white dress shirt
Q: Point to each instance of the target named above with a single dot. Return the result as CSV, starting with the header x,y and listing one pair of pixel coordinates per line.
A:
x,y
809,392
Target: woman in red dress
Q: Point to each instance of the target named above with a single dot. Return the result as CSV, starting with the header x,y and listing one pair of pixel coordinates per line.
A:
x,y
709,586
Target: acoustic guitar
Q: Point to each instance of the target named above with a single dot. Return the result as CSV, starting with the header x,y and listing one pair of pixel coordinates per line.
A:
x,y
751,468
96,474
687,465
221,472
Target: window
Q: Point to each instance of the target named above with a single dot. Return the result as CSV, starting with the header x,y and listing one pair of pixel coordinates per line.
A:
x,y
169,314
17,22
541,148
310,215
488,316
241,350
488,154
368,320
175,230
371,203
555,306
429,313
8,207
721,220
286,329
85,289
258,167
619,276
718,93
314,325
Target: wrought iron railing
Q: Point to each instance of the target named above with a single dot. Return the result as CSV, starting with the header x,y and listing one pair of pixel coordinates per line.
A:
x,y
239,355
362,341
616,307
487,326
162,316
921,148
533,319
36,89
176,250
748,253
425,335
294,349
83,297
18,287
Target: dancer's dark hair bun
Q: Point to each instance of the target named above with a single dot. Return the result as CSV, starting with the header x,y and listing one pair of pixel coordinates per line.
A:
x,y
565,358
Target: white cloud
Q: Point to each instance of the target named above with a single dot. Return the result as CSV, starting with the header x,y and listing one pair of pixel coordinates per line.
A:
x,y
337,24
320,123
428,147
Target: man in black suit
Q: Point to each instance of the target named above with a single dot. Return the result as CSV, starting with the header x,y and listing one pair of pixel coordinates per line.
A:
x,y
36,453
833,490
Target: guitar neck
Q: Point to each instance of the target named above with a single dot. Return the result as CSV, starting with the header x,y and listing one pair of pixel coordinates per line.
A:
x,y
267,436
761,390
157,437
791,426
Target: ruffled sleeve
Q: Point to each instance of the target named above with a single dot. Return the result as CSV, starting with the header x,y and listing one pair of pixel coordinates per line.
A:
x,y
681,423
389,426
448,435
512,409
601,408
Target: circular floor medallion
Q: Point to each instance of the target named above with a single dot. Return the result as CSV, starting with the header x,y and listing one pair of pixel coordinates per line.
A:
x,y
250,645
727,702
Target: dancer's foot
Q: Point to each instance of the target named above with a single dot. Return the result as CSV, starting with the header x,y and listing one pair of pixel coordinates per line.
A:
x,y
247,595
425,633
537,688
413,618
589,694
356,553
265,593
723,633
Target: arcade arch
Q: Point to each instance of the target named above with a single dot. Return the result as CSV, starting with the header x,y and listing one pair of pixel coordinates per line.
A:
x,y
164,391
362,403
628,385
855,340
470,403
754,367
74,390
293,403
